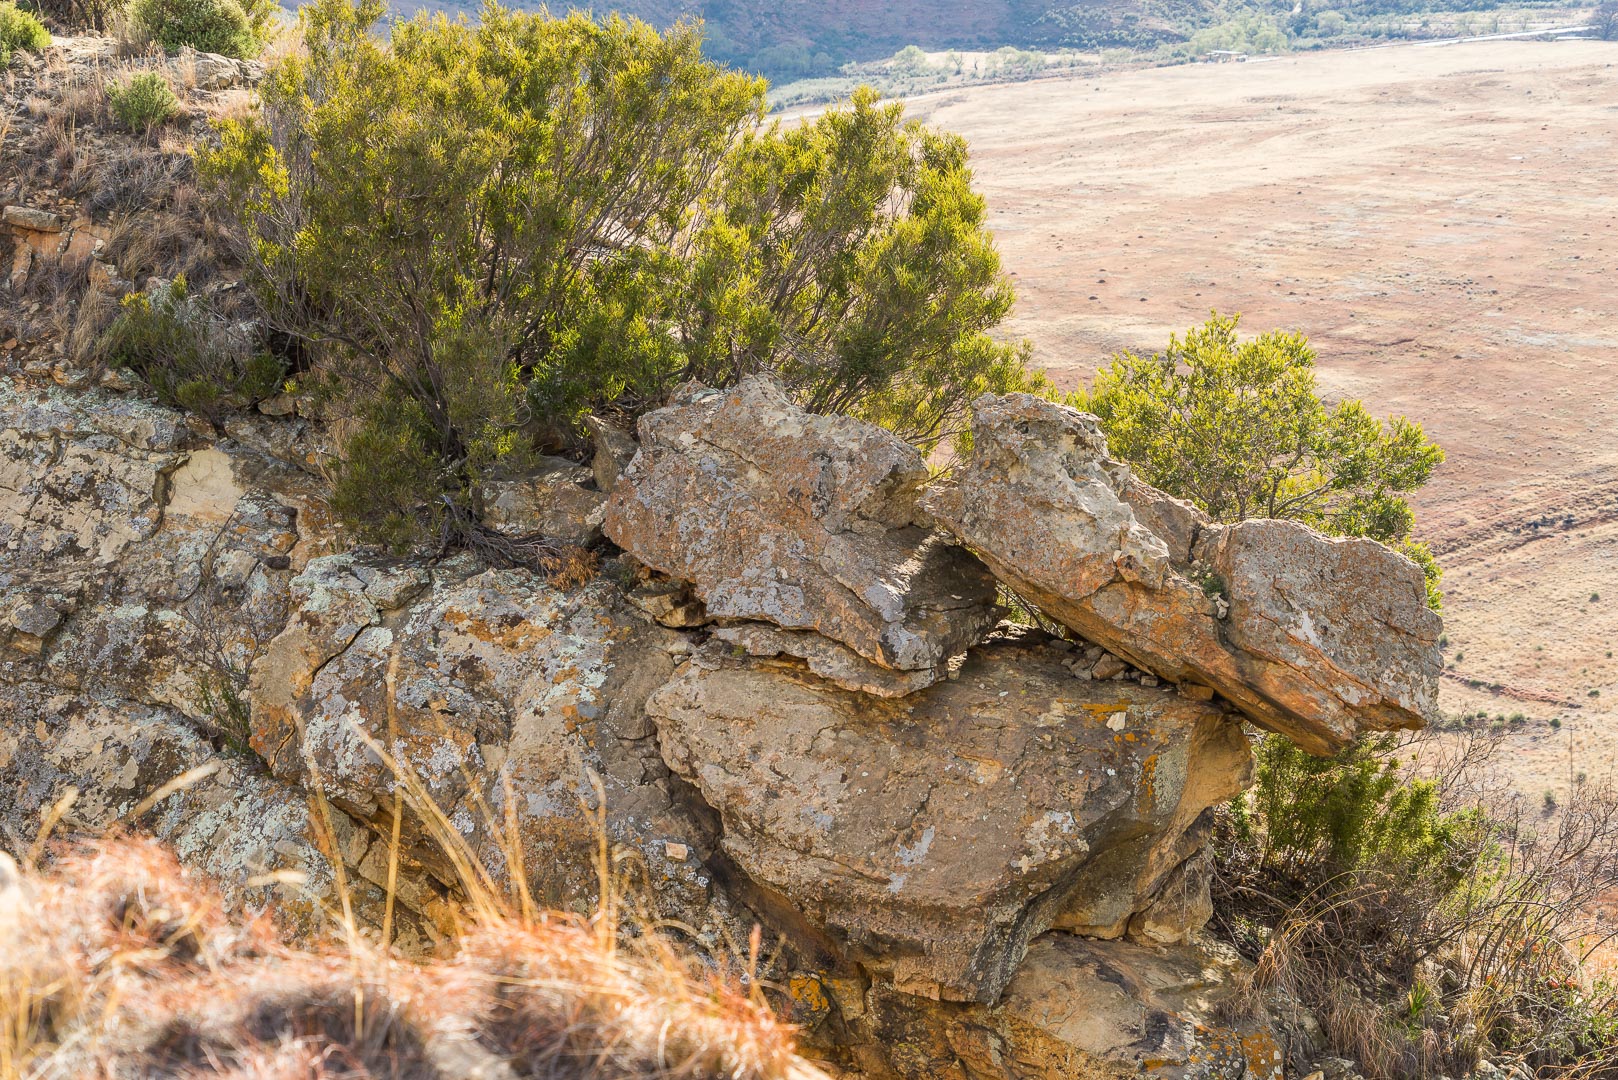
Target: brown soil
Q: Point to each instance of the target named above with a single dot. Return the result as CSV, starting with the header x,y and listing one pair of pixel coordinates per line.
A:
x,y
1443,223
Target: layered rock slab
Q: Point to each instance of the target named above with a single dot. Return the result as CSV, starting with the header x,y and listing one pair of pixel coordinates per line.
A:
x,y
801,521
935,835
1315,637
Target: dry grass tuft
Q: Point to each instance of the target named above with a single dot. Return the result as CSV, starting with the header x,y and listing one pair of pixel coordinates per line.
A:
x,y
119,962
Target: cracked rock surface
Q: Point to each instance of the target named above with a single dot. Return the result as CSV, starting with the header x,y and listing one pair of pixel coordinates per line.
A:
x,y
937,834
800,521
1315,637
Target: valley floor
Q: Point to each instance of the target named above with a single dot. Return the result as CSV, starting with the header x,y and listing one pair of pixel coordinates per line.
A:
x,y
1443,223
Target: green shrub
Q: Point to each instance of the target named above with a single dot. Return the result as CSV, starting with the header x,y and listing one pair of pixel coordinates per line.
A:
x,y
1428,921
19,31
214,26
191,357
490,230
1240,430
143,102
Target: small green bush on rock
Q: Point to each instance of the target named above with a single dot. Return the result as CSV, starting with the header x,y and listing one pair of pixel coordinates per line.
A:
x,y
19,31
143,102
192,358
214,26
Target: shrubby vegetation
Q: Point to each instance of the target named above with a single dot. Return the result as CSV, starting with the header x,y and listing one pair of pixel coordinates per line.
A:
x,y
1239,429
227,27
143,101
19,31
1604,20
1428,918
479,233
191,357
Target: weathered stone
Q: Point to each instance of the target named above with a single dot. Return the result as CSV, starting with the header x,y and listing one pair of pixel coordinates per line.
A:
x,y
1355,648
936,834
805,521
831,661
1080,1009
614,447
498,694
249,833
1120,1008
26,217
554,501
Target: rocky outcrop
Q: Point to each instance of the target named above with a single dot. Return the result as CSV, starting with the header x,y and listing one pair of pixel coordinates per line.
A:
x,y
804,522
1315,637
936,835
514,708
556,499
977,852
142,566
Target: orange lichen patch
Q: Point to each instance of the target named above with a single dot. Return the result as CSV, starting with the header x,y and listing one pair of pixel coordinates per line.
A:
x,y
516,635
1146,790
810,1002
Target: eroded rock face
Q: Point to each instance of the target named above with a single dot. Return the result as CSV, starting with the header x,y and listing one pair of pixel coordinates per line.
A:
x,y
508,701
1314,637
937,834
141,569
801,521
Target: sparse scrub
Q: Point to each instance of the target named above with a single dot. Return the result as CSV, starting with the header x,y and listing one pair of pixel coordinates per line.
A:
x,y
142,102
19,31
1430,920
214,26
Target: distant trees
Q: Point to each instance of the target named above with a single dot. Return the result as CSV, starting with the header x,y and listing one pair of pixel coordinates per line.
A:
x,y
1605,21
1239,429
480,232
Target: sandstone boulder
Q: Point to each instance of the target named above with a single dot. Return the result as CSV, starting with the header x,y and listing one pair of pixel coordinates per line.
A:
x,y
515,706
935,835
802,521
1315,637
555,500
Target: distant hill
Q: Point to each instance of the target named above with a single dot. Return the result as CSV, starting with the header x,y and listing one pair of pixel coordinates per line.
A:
x,y
801,39
790,39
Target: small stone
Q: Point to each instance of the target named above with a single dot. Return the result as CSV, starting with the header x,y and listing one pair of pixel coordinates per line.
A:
x,y
1196,691
1117,721
1094,653
1148,680
1108,666
26,217
681,646
1060,645
676,852
279,405
685,616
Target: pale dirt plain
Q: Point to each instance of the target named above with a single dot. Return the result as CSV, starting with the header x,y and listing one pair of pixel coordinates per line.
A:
x,y
1442,222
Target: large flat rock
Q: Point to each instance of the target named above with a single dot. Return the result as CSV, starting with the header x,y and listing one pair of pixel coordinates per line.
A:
x,y
805,522
1315,637
934,835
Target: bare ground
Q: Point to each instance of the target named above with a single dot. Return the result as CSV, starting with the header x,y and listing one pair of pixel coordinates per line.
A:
x,y
1443,223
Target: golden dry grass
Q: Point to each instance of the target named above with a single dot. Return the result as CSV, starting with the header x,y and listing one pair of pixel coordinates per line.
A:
x,y
117,961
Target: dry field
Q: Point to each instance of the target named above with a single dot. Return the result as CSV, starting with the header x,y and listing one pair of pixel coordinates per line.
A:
x,y
1443,223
